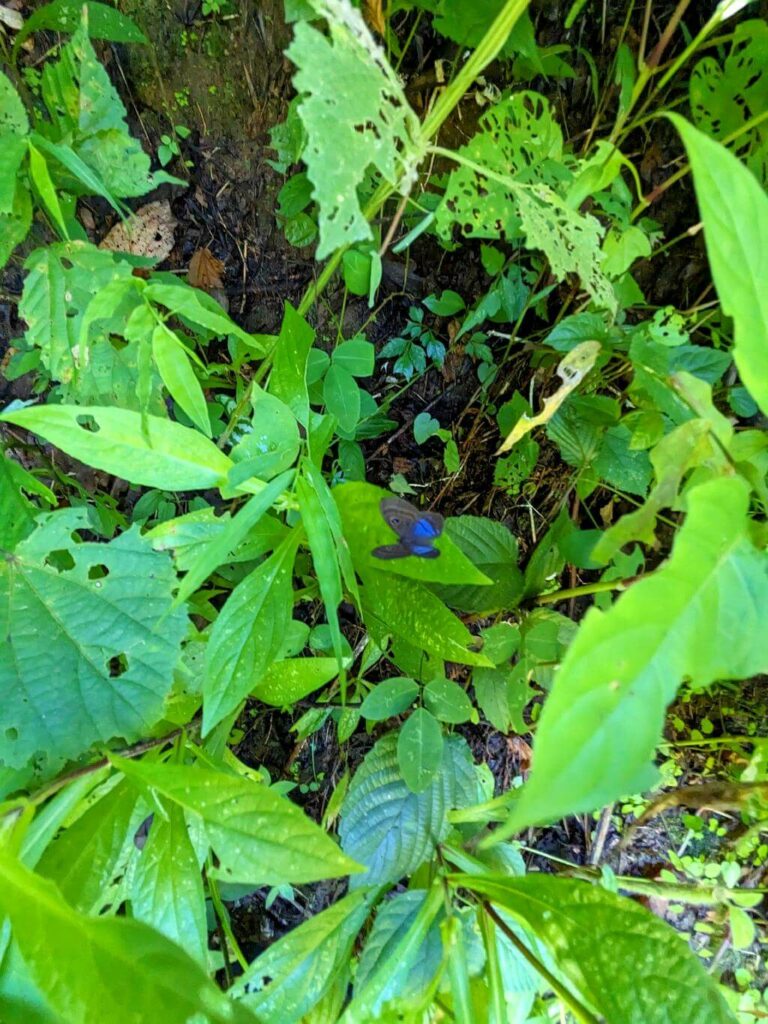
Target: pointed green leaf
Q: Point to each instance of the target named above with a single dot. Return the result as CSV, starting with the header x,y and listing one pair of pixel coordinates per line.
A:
x,y
248,634
696,617
420,750
174,366
258,836
288,380
172,457
389,697
285,682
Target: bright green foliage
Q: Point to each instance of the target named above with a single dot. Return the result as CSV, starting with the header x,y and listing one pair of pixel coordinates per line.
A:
x,y
389,828
286,682
168,456
291,977
100,607
735,213
724,99
258,836
248,634
696,617
104,964
167,887
620,959
492,549
419,750
352,102
388,698
510,162
104,22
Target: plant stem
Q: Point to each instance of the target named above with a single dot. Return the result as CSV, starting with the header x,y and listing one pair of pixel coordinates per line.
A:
x,y
589,588
222,915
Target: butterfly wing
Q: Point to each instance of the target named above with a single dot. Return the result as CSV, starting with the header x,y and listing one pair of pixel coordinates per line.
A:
x,y
417,530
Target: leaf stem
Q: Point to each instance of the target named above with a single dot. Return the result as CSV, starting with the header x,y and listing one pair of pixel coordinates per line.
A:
x,y
589,588
222,916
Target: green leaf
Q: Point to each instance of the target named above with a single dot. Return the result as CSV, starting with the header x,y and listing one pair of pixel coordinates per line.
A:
x,y
365,529
171,457
167,887
13,116
447,701
17,514
501,641
105,964
323,548
620,465
228,537
356,270
15,225
493,551
420,750
14,149
258,836
734,210
288,380
104,22
292,976
248,633
105,613
356,356
83,859
409,610
449,302
391,829
286,682
424,427
596,935
341,396
198,307
173,365
696,618
356,116
271,445
41,178
62,280
388,698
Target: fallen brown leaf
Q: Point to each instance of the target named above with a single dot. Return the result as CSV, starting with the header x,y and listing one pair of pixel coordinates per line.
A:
x,y
148,232
205,270
374,15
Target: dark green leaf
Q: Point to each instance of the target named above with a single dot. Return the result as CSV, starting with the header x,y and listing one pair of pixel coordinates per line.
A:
x,y
447,701
388,698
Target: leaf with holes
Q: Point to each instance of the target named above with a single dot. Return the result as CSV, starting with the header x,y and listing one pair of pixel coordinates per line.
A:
x,y
356,116
105,613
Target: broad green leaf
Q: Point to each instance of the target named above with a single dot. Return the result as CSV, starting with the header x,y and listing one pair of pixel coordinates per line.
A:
x,y
105,964
174,458
104,22
167,886
15,225
272,443
419,750
600,940
173,365
21,1002
501,641
226,539
447,701
356,116
258,836
389,697
82,859
407,981
41,178
696,617
724,100
198,307
285,682
62,280
504,188
87,113
111,639
17,514
288,380
493,550
407,609
365,529
289,978
390,829
357,356
323,548
14,149
341,396
13,117
248,633
734,210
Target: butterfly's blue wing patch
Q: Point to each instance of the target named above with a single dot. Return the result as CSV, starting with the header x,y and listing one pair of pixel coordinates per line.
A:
x,y
423,528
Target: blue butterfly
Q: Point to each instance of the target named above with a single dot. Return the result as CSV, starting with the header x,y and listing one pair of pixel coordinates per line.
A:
x,y
417,531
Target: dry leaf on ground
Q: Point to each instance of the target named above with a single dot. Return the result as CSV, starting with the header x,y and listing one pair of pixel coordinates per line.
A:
x,y
148,232
205,270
